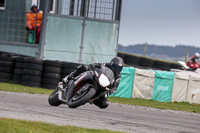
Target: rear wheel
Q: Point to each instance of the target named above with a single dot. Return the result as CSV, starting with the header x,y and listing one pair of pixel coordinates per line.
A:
x,y
77,101
53,98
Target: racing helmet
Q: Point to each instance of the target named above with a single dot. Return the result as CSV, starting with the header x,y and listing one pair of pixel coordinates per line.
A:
x,y
197,55
117,64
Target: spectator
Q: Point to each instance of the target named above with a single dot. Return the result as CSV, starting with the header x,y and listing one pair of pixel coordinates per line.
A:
x,y
34,20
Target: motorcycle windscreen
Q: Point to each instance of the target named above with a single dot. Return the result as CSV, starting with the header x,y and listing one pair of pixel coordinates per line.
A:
x,y
108,73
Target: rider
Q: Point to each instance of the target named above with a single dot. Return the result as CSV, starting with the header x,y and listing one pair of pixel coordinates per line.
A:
x,y
116,65
192,63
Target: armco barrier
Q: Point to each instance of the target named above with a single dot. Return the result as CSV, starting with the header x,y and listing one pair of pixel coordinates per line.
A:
x,y
146,62
132,60
125,87
162,65
180,87
163,86
143,84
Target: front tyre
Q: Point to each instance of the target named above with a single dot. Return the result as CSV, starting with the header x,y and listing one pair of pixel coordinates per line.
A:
x,y
82,100
53,98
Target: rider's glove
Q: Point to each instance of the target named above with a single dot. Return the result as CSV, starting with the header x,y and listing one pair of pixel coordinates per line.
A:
x,y
112,91
91,66
66,79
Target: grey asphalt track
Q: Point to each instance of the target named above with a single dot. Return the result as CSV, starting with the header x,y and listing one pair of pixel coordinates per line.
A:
x,y
116,117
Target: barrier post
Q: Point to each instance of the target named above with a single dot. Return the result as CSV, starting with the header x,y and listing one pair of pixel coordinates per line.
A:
x,y
43,30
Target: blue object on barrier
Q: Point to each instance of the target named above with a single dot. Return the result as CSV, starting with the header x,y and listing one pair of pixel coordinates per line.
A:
x,y
126,85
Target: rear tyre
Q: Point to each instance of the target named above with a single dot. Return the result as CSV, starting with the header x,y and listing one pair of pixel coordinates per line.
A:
x,y
74,104
53,98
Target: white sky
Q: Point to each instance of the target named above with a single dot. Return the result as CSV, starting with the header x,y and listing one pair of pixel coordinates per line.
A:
x,y
160,22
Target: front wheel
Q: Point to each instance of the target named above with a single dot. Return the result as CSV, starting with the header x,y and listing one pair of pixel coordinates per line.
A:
x,y
75,102
53,98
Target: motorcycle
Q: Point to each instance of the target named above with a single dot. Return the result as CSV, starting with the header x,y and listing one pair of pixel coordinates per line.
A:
x,y
97,84
187,68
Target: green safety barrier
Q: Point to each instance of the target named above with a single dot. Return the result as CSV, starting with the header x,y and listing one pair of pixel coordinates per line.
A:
x,y
126,85
163,86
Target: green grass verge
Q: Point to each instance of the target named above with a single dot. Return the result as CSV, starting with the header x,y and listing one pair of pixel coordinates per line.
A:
x,y
21,126
23,89
183,106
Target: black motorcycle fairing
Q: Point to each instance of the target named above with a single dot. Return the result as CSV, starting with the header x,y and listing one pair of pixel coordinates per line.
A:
x,y
78,87
84,78
69,91
79,80
88,86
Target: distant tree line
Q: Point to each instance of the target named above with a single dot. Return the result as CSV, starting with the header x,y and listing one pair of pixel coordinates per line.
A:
x,y
170,51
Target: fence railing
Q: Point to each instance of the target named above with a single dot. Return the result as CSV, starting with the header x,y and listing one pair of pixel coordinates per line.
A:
x,y
101,9
146,62
13,23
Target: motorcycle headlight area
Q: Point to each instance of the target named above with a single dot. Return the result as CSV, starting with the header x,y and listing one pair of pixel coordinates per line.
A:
x,y
103,80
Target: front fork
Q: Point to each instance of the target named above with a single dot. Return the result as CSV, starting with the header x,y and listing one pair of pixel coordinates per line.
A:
x,y
65,91
61,92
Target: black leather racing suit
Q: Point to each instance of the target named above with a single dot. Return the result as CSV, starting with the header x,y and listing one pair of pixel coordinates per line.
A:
x,y
102,102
